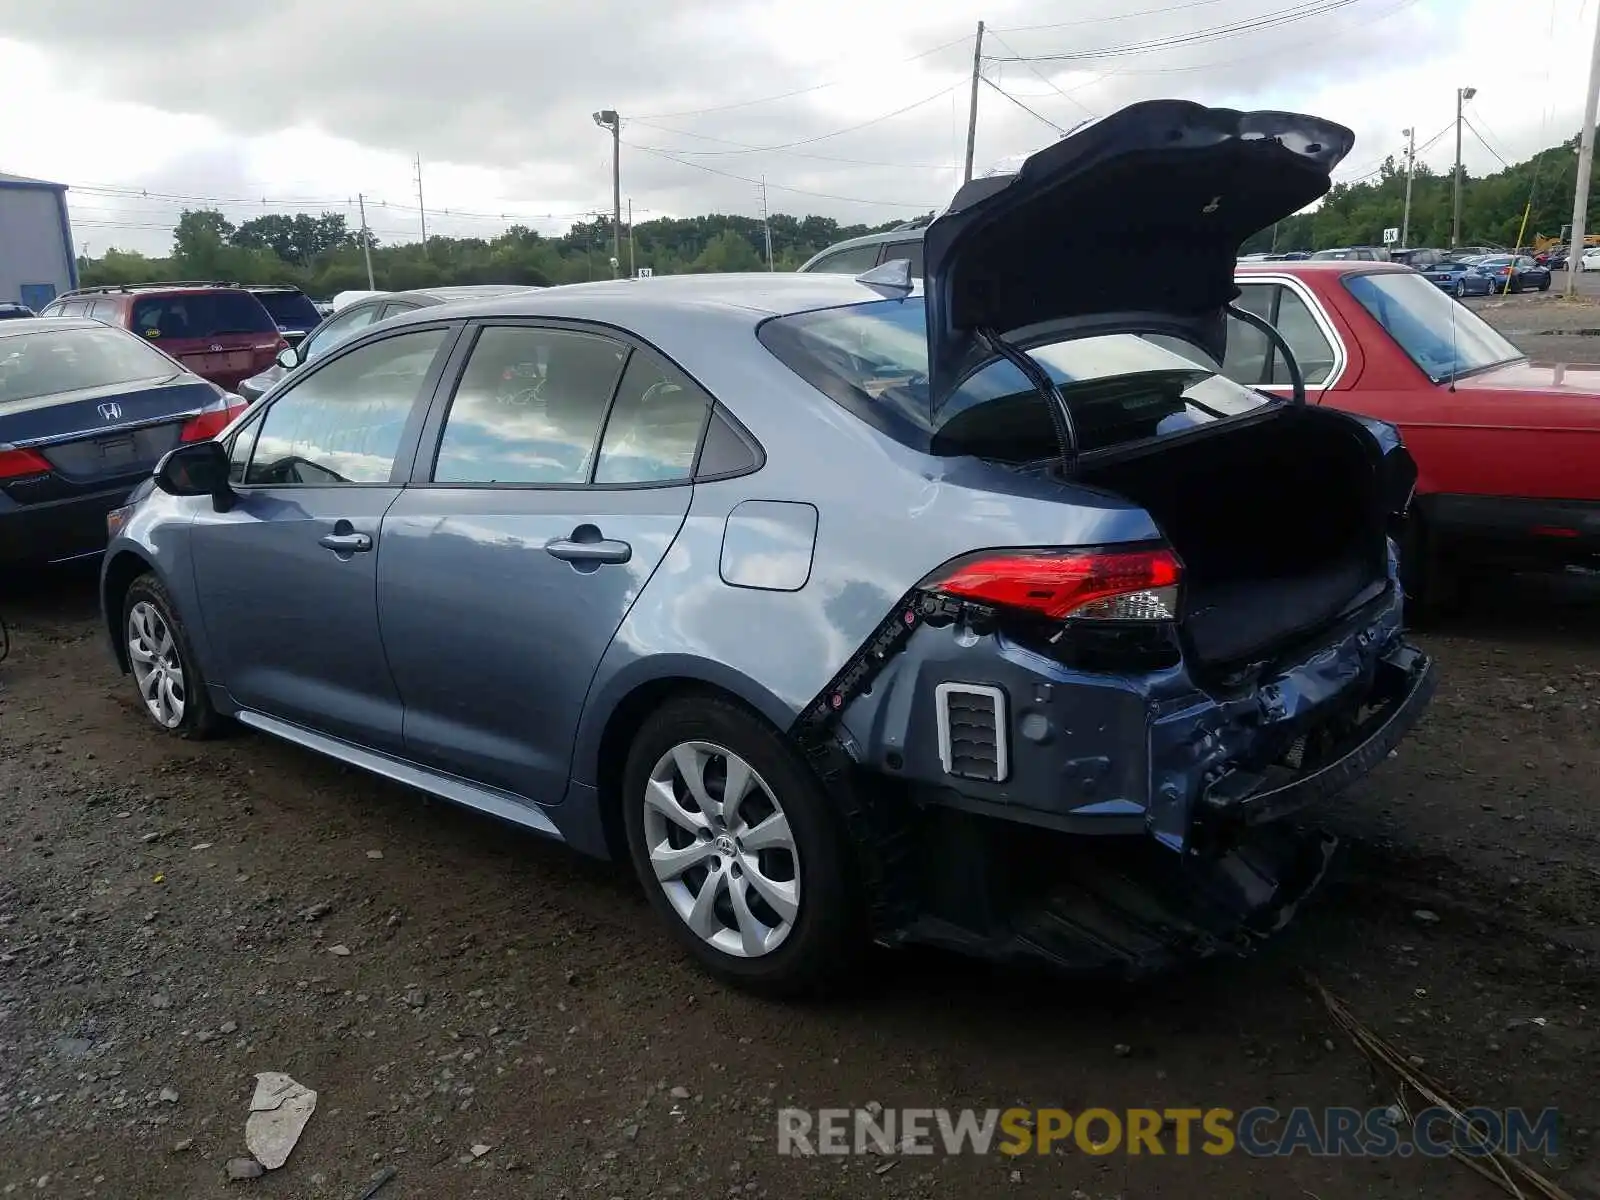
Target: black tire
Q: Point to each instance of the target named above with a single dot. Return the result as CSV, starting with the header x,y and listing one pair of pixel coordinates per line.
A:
x,y
199,720
1461,289
827,933
1544,284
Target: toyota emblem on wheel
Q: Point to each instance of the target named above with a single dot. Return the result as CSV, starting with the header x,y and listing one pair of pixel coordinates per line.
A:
x,y
110,411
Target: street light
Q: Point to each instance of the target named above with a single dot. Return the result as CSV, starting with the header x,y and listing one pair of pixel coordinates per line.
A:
x,y
607,118
1411,160
1462,96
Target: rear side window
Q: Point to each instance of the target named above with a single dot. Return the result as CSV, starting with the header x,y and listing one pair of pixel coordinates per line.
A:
x,y
103,310
851,261
528,408
911,251
45,363
872,359
654,427
199,315
343,423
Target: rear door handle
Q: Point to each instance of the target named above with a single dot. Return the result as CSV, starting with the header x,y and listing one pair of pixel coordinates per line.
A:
x,y
346,543
595,551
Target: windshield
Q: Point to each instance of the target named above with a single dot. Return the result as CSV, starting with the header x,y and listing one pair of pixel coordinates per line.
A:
x,y
872,359
1442,337
291,310
179,315
67,360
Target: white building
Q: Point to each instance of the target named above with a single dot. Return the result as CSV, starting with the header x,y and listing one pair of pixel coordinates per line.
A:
x,y
37,262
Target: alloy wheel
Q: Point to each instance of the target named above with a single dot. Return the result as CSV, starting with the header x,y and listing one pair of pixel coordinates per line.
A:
x,y
157,669
721,849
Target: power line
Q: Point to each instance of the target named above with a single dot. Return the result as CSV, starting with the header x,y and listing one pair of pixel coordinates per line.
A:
x,y
805,91
1021,105
682,162
823,137
1484,142
1272,20
748,148
1042,77
1144,12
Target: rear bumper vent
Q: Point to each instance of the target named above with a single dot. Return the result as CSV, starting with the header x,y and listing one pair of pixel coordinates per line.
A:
x,y
972,731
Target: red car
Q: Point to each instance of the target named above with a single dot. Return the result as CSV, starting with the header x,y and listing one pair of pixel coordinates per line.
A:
x,y
220,332
1507,450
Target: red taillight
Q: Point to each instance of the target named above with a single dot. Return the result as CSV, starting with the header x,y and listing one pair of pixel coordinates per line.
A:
x,y
1115,585
14,464
208,424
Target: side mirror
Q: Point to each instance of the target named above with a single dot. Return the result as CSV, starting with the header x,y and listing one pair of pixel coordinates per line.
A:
x,y
197,469
288,358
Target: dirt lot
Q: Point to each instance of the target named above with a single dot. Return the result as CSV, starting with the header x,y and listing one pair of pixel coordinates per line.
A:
x,y
176,917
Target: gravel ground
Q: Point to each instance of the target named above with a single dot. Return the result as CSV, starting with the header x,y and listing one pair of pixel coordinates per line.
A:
x,y
488,1015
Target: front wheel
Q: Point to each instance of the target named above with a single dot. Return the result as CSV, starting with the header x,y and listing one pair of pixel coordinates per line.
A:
x,y
1461,289
171,689
1544,284
739,848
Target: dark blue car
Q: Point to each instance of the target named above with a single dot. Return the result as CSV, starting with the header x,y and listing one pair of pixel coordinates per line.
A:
x,y
1459,278
86,412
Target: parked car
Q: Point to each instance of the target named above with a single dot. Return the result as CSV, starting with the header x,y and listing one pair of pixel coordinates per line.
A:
x,y
1060,639
86,412
1505,448
290,308
1590,260
353,318
220,332
1459,278
1514,273
10,310
1463,252
350,297
1352,254
1420,258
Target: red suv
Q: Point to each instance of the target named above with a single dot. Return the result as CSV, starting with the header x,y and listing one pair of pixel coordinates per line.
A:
x,y
220,332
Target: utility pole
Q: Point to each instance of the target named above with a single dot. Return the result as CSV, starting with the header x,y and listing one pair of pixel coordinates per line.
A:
x,y
1580,195
422,212
631,271
1411,163
366,250
972,111
766,223
1462,96
608,118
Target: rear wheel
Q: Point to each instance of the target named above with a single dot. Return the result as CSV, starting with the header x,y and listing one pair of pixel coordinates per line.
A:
x,y
739,848
1431,585
1461,289
1544,284
172,691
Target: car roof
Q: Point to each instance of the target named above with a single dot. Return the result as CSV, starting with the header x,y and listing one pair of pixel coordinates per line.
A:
x,y
23,325
147,289
1322,266
444,295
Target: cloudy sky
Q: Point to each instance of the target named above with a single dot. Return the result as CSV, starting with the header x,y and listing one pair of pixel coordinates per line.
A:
x,y
855,110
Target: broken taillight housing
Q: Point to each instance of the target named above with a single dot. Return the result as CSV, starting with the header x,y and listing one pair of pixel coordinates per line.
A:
x,y
1091,585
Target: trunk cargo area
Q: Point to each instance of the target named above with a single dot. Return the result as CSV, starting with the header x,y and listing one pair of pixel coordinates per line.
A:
x,y
1279,523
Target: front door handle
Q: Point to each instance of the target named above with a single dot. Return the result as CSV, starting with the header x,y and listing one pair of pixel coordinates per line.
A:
x,y
346,543
589,547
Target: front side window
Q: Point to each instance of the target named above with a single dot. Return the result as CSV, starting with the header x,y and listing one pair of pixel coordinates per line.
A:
x,y
65,360
851,261
528,408
244,442
343,423
1443,338
345,325
872,359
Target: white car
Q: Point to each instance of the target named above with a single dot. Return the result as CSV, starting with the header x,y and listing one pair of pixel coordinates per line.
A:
x,y
1591,259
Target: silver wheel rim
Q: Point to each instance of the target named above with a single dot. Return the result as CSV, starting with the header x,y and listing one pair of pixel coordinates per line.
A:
x,y
157,669
722,850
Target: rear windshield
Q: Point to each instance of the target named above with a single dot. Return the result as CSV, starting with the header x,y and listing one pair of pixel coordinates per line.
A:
x,y
1446,339
200,315
291,310
873,360
66,360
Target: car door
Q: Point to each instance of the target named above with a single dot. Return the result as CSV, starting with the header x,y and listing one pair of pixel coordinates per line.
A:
x,y
549,486
287,575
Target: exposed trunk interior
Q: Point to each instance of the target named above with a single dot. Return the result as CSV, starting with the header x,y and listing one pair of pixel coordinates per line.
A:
x,y
1279,524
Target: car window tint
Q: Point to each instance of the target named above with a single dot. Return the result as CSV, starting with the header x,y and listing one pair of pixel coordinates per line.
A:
x,y
103,310
654,427
1248,348
1312,351
528,407
344,326
216,313
399,306
75,308
342,423
850,261
51,361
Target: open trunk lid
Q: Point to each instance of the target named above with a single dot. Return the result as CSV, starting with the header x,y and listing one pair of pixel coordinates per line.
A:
x,y
1177,186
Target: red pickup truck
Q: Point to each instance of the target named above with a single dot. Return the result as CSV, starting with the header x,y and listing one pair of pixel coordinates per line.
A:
x,y
1507,450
